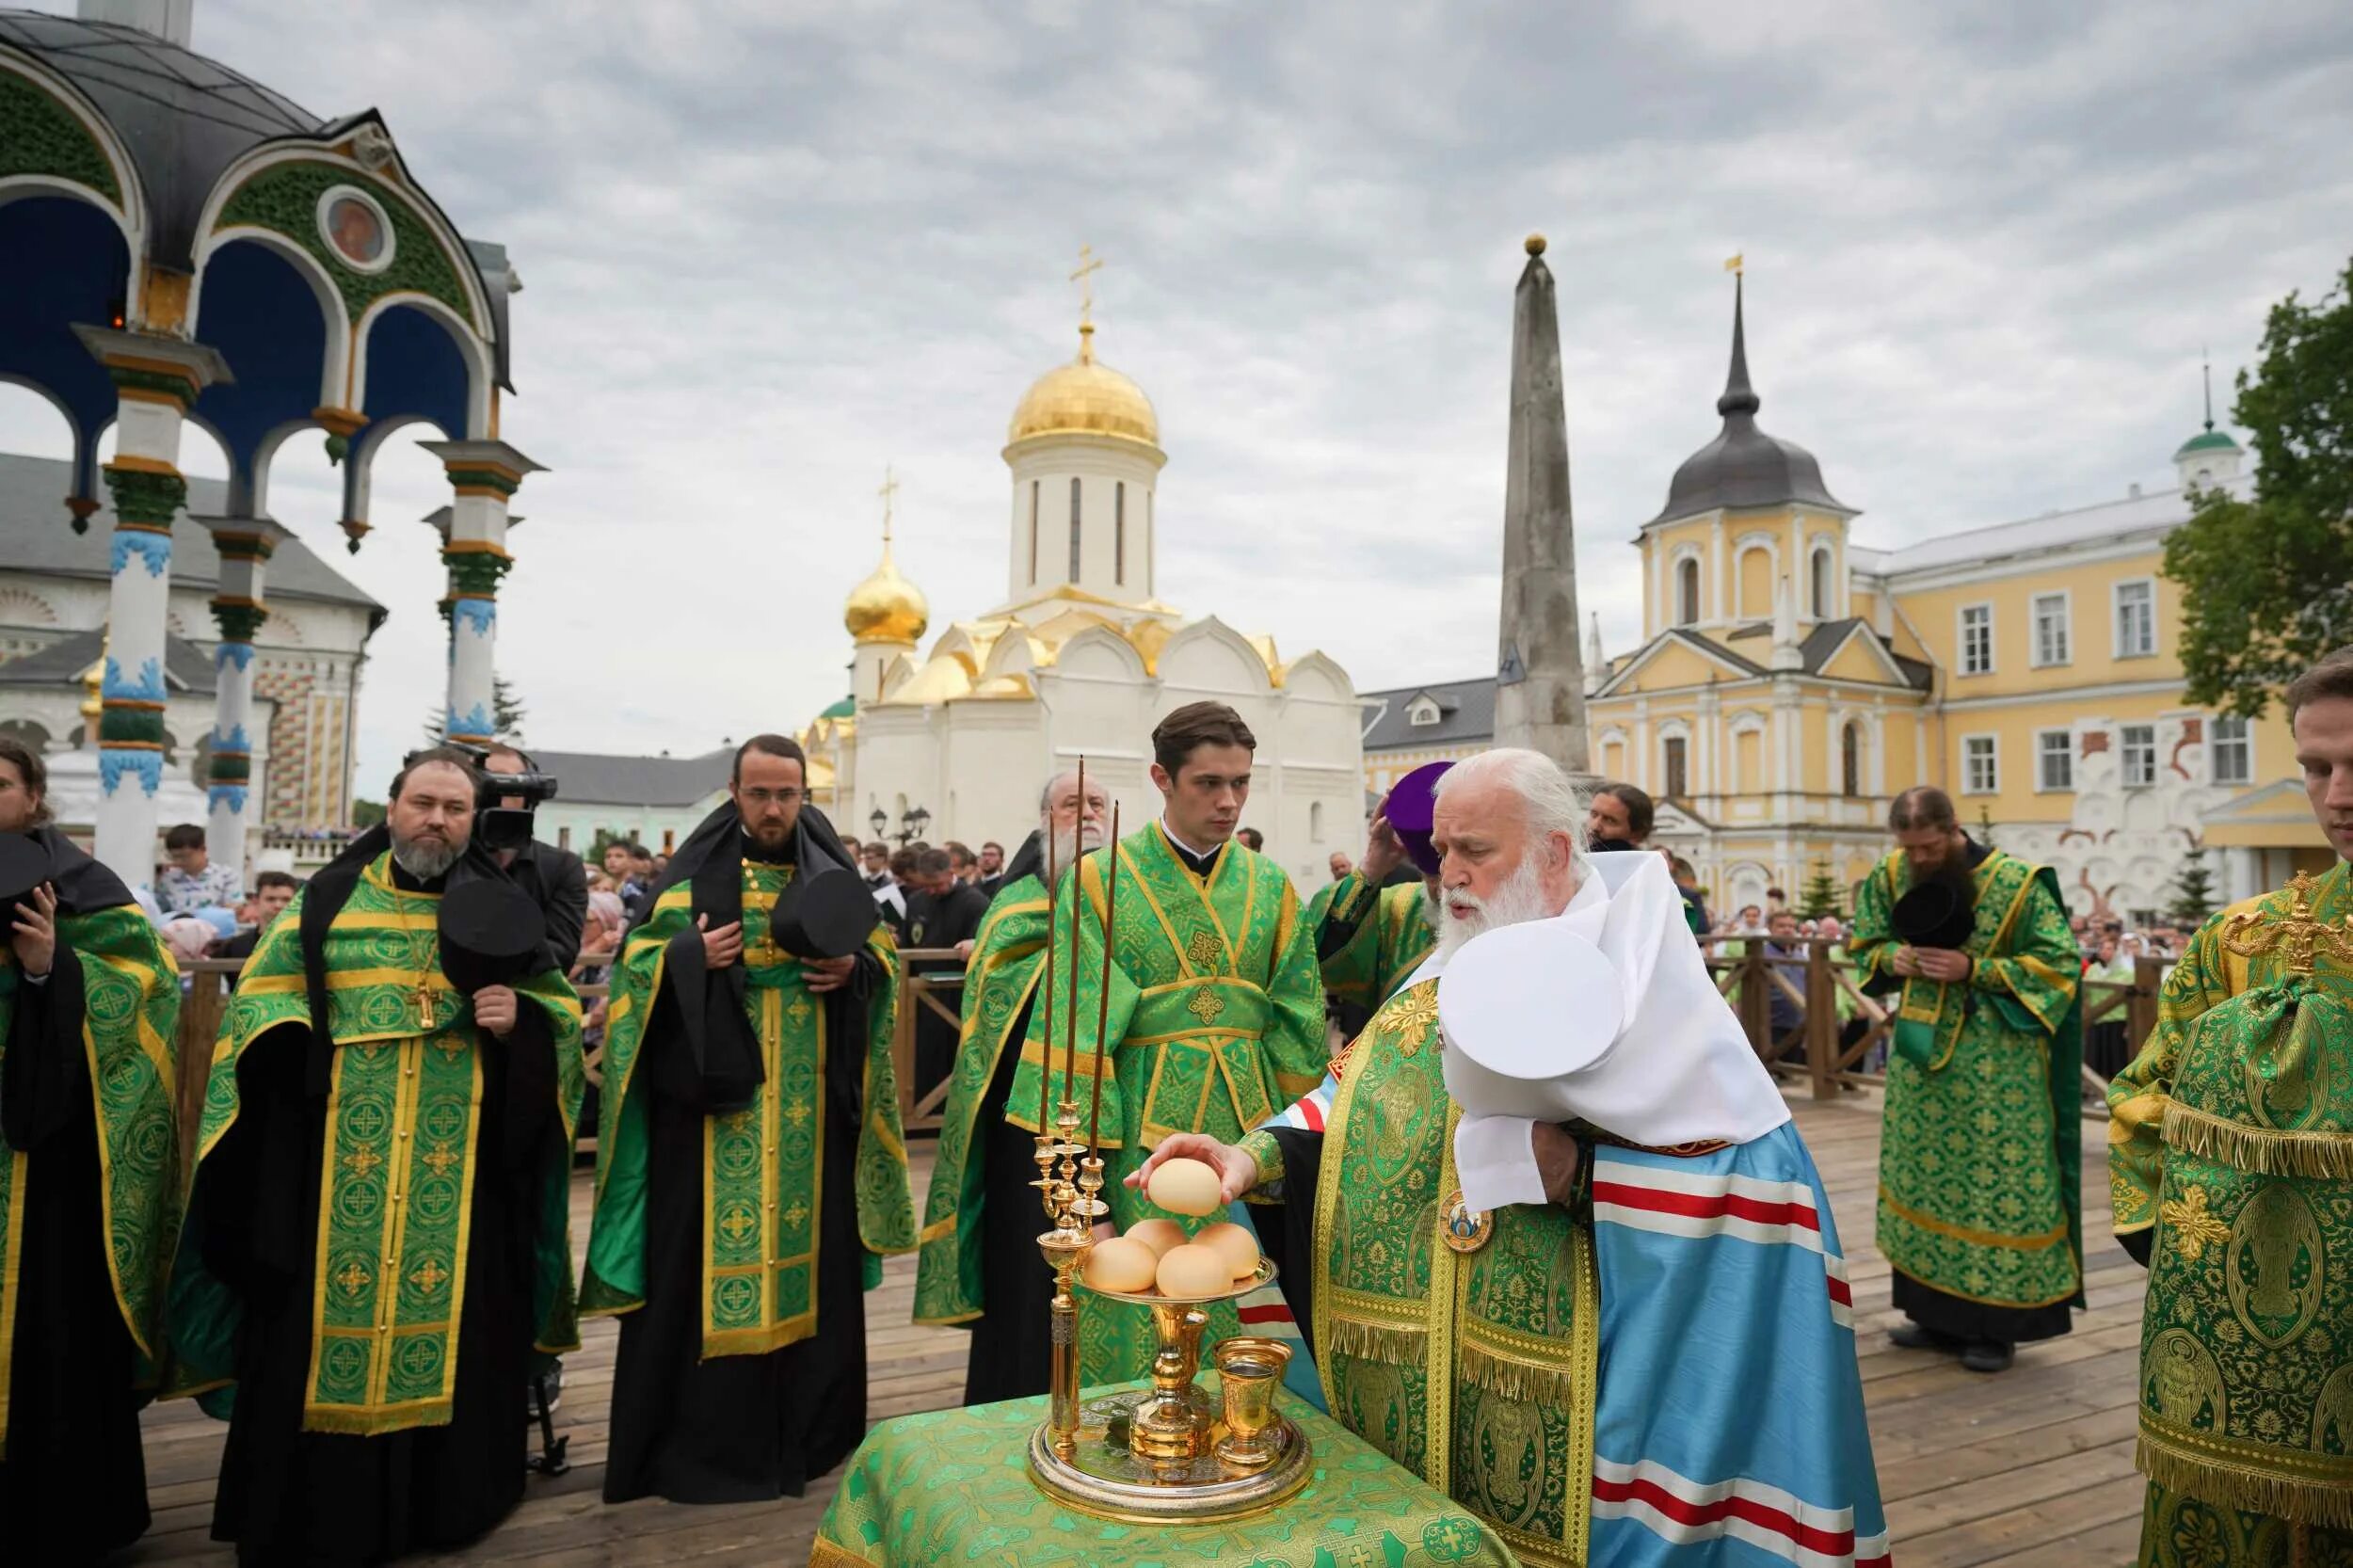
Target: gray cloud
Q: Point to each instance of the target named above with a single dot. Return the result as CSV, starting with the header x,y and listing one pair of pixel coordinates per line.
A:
x,y
770,247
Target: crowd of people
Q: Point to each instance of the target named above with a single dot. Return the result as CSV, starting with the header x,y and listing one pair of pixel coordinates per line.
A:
x,y
1621,1241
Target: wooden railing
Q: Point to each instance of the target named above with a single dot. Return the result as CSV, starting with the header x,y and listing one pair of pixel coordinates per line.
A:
x,y
209,980
1817,1049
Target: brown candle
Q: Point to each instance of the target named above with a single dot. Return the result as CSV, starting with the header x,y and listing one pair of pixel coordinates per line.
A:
x,y
1103,1002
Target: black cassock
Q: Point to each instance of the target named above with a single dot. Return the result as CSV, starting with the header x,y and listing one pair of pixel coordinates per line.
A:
x,y
738,1428
1011,1357
74,1483
324,1499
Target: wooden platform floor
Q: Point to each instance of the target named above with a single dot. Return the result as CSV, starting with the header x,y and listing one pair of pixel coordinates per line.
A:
x,y
2033,1467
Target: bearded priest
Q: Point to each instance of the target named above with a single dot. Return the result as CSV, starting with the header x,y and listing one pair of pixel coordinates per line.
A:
x,y
979,1265
378,1239
750,1174
1567,1258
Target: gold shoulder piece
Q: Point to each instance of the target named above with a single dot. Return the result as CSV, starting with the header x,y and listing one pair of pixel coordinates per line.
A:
x,y
2299,935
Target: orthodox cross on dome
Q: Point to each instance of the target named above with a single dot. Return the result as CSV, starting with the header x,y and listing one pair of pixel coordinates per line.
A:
x,y
1089,264
1736,264
2205,369
889,492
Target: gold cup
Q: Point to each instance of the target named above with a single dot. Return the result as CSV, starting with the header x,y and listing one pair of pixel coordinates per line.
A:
x,y
1248,1369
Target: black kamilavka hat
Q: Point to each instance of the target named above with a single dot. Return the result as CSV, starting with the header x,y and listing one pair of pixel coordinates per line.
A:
x,y
23,865
490,933
825,913
1935,914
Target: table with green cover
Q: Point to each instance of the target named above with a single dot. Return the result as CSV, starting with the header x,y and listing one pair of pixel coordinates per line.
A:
x,y
953,1486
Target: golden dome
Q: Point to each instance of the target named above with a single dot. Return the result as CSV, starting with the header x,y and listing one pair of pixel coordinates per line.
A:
x,y
886,608
1086,396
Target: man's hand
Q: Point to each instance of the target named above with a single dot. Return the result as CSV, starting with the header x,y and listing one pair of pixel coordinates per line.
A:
x,y
723,946
1383,852
1556,1160
964,949
828,974
1906,962
494,1010
33,933
1942,962
1238,1173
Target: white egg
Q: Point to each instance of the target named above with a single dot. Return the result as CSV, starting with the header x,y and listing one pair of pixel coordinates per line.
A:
x,y
1185,1187
1157,1234
1120,1265
1191,1272
1234,1243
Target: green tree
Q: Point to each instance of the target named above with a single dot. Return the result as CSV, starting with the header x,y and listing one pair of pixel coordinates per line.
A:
x,y
2267,584
2193,892
506,715
366,813
1820,896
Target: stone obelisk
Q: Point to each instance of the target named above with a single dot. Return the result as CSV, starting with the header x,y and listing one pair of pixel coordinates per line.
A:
x,y
1540,673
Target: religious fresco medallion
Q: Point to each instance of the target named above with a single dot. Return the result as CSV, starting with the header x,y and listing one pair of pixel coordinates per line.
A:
x,y
1462,1227
2273,1267
354,229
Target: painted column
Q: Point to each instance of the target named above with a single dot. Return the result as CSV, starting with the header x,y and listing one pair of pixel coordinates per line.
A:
x,y
156,381
484,476
245,545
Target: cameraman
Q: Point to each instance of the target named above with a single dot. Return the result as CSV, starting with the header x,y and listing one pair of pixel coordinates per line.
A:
x,y
553,877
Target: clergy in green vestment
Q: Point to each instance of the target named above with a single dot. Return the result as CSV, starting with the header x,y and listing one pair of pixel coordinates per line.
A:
x,y
1980,1214
979,1265
750,1172
2230,1163
1216,1012
1370,931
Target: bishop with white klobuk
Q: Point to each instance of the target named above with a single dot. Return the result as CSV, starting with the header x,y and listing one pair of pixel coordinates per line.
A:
x,y
1080,657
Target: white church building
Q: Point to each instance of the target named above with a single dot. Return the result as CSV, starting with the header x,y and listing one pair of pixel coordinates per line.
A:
x,y
1080,658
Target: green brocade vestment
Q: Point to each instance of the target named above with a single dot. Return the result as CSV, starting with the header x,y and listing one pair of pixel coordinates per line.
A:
x,y
129,1032
1980,1169
2231,1147
1475,1370
1216,1016
761,1164
1392,936
402,1154
1008,955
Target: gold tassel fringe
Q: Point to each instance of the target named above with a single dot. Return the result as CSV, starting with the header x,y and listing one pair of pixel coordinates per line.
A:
x,y
1395,1346
825,1554
1514,1379
2314,1502
2326,1155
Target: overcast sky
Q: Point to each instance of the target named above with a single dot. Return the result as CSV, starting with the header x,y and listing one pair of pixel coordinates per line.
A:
x,y
769,248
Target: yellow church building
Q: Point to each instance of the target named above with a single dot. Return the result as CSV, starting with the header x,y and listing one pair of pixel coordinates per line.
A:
x,y
1791,681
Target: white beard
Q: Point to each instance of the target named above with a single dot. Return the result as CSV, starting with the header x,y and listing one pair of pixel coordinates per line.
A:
x,y
1066,845
1520,898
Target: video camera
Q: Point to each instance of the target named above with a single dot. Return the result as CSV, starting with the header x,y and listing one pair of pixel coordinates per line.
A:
x,y
496,825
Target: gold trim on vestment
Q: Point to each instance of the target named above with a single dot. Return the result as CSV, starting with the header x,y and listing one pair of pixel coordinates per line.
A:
x,y
11,1275
2055,1236
2266,1151
2066,1295
2239,1476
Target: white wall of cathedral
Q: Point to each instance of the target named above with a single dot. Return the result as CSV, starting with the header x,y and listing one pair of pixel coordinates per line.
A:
x,y
2121,847
1109,484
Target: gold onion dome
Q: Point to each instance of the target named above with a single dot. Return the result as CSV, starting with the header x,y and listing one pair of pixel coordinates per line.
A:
x,y
886,608
1085,397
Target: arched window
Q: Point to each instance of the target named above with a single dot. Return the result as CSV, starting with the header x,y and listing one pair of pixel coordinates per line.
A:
x,y
1819,584
1074,529
1850,757
1119,532
1677,770
1315,821
1687,591
1033,493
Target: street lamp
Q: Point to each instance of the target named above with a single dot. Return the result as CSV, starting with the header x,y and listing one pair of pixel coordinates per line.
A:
x,y
880,821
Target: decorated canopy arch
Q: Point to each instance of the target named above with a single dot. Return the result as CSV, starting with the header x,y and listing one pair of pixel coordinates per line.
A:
x,y
181,245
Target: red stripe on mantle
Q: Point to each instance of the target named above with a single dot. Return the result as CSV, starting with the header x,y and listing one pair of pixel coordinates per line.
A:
x,y
1832,1543
1706,1206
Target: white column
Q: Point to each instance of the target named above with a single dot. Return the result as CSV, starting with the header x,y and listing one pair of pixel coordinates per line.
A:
x,y
482,477
157,380
245,545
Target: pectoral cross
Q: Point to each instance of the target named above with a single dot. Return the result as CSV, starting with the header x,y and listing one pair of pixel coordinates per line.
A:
x,y
2299,933
1089,264
423,999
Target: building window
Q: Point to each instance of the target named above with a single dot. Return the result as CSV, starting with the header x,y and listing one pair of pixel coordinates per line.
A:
x,y
1315,821
2055,760
1980,765
1119,532
1977,639
1686,592
1850,757
1033,532
564,837
2051,643
2230,751
1074,530
1675,750
2139,747
1423,712
2135,619
1818,584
